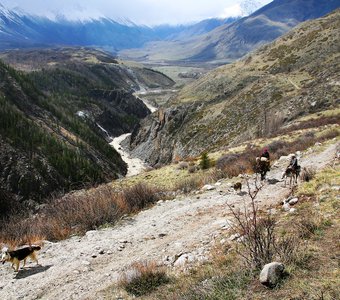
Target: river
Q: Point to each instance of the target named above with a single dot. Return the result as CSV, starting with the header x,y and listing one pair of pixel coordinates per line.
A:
x,y
135,165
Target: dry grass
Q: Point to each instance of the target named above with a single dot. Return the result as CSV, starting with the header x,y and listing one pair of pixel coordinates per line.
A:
x,y
143,278
307,174
310,123
307,242
77,213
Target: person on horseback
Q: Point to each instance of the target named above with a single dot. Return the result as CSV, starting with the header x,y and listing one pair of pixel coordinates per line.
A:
x,y
293,170
293,164
265,153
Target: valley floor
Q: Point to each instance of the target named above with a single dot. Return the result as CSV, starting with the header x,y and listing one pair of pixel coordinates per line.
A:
x,y
82,267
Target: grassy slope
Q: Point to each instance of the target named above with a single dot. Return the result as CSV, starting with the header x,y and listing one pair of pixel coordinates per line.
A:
x,y
313,274
294,75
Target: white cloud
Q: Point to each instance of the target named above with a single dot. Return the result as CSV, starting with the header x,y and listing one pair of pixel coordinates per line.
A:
x,y
232,11
148,12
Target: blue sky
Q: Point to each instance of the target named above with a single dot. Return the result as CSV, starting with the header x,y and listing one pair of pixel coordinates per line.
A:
x,y
148,12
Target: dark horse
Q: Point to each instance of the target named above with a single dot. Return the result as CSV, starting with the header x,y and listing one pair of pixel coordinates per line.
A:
x,y
262,166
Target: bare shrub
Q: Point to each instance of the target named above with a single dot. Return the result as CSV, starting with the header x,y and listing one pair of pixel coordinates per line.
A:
x,y
182,165
234,164
307,174
312,123
143,278
331,134
192,169
257,234
190,184
275,146
226,160
19,232
140,196
213,176
76,214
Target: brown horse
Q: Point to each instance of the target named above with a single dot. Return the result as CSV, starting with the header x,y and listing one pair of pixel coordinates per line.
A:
x,y
262,166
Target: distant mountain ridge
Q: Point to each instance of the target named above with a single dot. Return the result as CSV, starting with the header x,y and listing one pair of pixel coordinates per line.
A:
x,y
229,42
20,30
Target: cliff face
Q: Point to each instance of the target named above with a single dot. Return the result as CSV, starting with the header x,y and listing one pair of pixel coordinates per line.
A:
x,y
295,75
155,139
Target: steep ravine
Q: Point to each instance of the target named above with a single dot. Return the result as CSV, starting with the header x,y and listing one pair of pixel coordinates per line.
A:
x,y
135,165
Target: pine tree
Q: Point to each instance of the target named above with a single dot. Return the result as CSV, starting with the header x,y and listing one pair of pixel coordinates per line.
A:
x,y
205,161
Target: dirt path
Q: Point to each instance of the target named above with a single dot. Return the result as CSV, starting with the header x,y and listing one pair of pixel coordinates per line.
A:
x,y
80,267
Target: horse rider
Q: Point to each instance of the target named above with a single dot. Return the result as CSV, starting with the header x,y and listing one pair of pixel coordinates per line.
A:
x,y
265,153
293,164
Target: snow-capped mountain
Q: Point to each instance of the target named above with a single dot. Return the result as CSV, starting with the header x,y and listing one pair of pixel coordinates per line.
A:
x,y
20,30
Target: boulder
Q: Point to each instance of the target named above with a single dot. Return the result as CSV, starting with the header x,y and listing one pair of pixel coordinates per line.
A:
x,y
293,201
271,274
208,187
286,207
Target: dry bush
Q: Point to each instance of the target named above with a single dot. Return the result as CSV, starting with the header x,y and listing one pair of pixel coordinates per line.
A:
x,y
143,278
213,176
192,169
85,212
190,184
257,233
259,240
307,174
330,134
234,164
20,232
182,165
140,196
312,123
276,146
283,148
76,214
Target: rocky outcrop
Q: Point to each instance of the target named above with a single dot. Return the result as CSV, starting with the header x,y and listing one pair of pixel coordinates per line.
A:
x,y
157,139
119,111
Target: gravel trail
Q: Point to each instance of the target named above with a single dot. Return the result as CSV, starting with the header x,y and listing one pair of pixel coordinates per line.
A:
x,y
81,267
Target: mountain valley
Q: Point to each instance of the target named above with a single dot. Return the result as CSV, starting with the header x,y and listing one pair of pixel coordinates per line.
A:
x,y
59,113
253,97
131,155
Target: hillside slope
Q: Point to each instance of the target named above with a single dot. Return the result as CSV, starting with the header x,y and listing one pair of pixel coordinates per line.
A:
x,y
58,115
229,42
189,226
295,75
